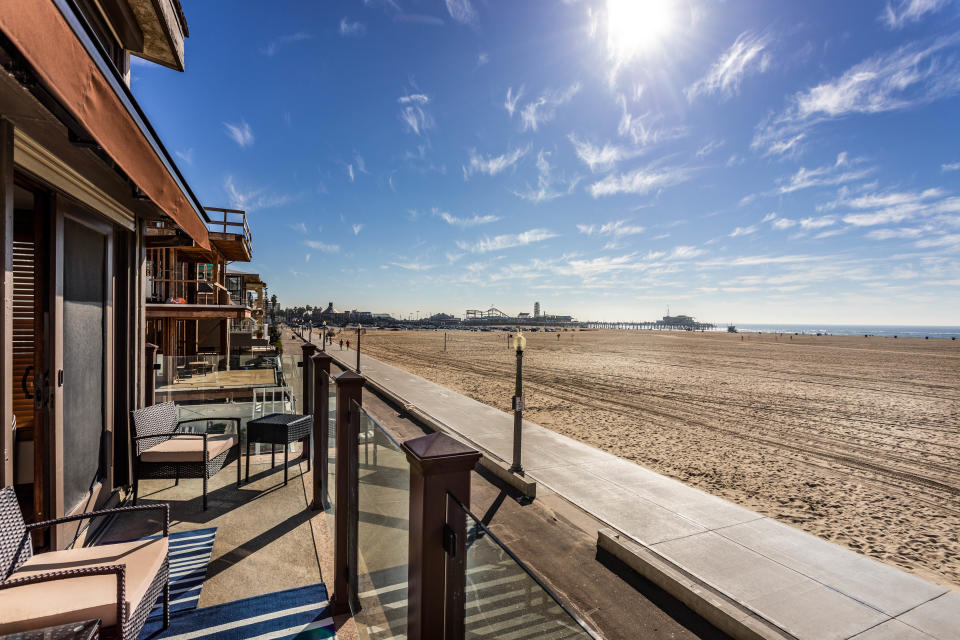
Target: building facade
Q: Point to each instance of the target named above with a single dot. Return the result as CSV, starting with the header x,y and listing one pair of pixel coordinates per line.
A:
x,y
86,185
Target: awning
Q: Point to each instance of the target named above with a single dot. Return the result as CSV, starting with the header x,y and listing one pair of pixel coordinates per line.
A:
x,y
61,61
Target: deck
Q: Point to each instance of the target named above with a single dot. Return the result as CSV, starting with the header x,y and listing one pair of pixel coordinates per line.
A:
x,y
228,385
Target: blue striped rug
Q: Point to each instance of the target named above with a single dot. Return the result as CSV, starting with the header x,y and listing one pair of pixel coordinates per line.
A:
x,y
189,556
301,613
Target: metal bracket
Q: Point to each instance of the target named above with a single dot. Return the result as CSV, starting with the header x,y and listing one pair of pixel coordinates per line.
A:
x,y
518,403
449,540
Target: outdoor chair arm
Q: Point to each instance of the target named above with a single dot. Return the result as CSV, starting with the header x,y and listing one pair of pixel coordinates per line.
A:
x,y
156,435
118,569
93,514
231,419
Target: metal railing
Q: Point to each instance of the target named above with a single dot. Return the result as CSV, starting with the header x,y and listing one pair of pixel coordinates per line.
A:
x,y
231,221
383,500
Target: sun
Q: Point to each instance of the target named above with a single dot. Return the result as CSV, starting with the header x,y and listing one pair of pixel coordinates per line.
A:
x,y
636,27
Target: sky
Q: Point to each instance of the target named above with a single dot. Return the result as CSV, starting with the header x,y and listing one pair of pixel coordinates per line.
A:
x,y
746,162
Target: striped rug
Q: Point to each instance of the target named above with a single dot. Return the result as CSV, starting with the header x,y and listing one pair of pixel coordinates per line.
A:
x,y
301,613
189,556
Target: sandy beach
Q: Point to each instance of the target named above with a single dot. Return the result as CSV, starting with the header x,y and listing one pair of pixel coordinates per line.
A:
x,y
853,439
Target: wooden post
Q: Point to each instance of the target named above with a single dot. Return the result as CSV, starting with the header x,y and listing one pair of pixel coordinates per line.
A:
x,y
321,428
308,350
150,376
349,390
225,342
435,590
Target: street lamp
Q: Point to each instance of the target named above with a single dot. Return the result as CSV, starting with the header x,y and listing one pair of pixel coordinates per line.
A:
x,y
323,346
518,343
359,327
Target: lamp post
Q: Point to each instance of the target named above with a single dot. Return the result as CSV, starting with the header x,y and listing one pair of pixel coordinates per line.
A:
x,y
323,345
359,326
518,343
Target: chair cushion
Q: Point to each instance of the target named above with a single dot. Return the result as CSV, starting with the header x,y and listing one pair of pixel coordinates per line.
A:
x,y
67,600
188,449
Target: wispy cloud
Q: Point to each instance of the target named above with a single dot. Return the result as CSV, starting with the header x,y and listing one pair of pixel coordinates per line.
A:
x,y
462,11
617,229
492,165
841,171
348,28
549,187
299,227
251,200
911,75
950,166
747,55
412,265
357,166
240,133
639,181
601,158
544,108
414,114
643,129
506,241
273,47
187,156
474,221
744,231
900,12
709,148
897,206
322,246
510,102
357,228
483,58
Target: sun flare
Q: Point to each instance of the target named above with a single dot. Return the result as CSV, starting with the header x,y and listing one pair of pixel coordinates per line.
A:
x,y
637,26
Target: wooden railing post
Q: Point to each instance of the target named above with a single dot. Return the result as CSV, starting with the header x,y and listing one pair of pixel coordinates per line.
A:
x,y
149,375
306,407
439,465
349,390
321,428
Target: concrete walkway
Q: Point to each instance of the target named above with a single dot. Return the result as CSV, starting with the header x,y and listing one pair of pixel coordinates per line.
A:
x,y
788,583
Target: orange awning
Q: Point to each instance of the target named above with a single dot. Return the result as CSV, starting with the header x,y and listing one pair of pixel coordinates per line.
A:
x,y
45,39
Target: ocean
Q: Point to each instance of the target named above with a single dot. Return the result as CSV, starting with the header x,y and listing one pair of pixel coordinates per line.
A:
x,y
903,331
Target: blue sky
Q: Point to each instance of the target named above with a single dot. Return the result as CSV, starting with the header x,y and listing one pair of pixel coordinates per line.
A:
x,y
737,161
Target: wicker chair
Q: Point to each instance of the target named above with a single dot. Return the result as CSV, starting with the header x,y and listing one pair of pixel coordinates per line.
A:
x,y
164,451
118,583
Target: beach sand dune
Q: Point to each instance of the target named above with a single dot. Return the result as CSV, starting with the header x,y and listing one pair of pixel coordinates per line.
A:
x,y
854,439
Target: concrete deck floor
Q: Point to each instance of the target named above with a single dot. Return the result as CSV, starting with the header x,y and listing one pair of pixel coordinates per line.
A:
x,y
267,539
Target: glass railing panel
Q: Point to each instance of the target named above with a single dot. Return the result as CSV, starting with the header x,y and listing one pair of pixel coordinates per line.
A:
x,y
502,598
382,531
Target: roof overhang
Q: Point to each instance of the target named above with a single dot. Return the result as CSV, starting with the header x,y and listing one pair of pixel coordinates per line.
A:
x,y
66,61
163,27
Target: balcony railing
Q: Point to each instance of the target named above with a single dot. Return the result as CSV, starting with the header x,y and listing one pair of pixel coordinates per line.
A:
x,y
229,221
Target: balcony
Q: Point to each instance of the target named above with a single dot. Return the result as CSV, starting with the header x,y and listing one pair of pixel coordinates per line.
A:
x,y
349,511
228,231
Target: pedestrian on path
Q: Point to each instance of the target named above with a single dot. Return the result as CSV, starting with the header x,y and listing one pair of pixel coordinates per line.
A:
x,y
341,344
348,345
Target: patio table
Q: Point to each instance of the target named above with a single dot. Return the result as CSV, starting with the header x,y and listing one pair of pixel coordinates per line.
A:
x,y
280,428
